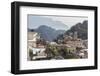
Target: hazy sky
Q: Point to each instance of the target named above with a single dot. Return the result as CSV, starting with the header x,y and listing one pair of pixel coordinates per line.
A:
x,y
56,22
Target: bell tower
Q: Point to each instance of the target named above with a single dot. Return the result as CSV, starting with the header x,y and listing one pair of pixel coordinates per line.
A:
x,y
75,35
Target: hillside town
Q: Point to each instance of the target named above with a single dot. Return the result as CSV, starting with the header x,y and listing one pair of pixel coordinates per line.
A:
x,y
70,47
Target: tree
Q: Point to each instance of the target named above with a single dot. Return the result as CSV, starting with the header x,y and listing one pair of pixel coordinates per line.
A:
x,y
41,41
48,51
31,54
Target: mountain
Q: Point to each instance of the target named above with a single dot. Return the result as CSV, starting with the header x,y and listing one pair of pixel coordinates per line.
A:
x,y
81,29
48,33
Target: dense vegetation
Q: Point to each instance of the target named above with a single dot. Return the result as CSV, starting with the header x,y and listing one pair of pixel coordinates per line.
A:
x,y
64,52
81,29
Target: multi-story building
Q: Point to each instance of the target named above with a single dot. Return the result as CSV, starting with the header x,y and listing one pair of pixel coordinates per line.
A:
x,y
35,46
32,38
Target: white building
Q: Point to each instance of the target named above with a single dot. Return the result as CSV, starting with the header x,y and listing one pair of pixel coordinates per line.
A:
x,y
38,50
32,38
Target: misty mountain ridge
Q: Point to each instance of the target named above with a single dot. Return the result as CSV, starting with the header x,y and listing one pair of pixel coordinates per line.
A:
x,y
47,33
37,21
50,34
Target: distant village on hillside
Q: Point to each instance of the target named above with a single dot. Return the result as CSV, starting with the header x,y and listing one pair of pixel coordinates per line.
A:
x,y
51,37
67,47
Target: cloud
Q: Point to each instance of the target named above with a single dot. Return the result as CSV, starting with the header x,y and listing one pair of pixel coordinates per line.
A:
x,y
36,21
